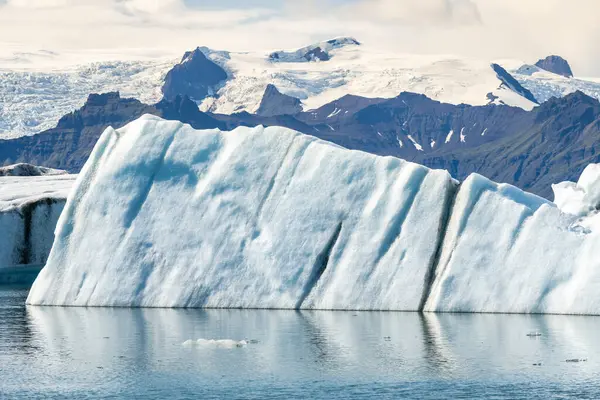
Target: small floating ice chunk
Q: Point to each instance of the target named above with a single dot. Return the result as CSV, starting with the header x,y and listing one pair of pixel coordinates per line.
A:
x,y
449,136
215,343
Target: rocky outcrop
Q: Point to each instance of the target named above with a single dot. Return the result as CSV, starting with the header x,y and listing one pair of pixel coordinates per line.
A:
x,y
511,83
276,103
556,65
195,76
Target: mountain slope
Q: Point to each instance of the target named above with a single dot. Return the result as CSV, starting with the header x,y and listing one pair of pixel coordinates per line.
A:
x,y
561,140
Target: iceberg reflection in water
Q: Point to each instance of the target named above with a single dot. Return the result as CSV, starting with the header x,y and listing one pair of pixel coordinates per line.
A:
x,y
138,353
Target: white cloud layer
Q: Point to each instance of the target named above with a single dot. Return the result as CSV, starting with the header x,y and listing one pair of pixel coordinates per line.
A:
x,y
81,30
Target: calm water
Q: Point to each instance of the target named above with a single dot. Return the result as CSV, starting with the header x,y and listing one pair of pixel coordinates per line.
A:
x,y
50,352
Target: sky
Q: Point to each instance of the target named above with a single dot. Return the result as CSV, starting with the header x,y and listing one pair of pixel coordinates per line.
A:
x,y
35,31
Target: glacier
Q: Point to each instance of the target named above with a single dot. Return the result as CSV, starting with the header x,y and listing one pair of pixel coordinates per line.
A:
x,y
33,99
163,215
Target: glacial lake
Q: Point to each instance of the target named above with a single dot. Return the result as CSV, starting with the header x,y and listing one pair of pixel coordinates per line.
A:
x,y
48,352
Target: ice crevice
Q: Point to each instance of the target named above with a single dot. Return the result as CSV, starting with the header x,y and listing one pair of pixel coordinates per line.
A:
x,y
442,232
270,218
320,265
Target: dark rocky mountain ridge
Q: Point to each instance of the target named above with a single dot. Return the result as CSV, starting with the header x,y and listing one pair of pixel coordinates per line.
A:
x,y
531,150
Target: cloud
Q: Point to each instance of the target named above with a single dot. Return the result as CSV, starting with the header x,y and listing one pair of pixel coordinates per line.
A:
x,y
419,12
37,4
486,29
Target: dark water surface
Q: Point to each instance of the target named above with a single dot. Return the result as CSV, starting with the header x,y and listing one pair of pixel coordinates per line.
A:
x,y
48,352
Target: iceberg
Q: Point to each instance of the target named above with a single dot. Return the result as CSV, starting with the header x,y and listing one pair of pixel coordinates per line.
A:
x,y
29,210
507,251
163,215
581,199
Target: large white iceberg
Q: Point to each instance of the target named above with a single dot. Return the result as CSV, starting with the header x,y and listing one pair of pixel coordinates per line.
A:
x,y
163,215
166,216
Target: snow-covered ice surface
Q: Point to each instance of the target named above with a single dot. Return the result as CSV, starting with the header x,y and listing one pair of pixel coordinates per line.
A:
x,y
18,191
254,218
270,218
29,211
32,101
357,70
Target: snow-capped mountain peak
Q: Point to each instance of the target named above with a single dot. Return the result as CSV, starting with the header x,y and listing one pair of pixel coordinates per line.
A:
x,y
556,65
316,52
195,76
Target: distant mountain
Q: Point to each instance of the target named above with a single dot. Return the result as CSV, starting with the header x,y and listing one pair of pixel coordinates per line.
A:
x,y
69,144
276,103
531,150
556,65
232,82
195,76
316,52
